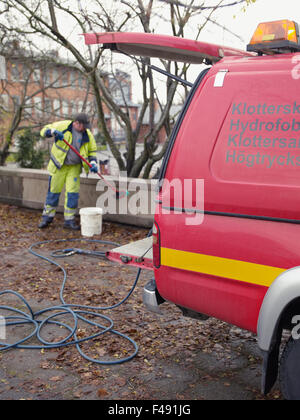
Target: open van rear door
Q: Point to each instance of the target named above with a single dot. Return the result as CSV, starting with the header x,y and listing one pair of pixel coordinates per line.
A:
x,y
163,46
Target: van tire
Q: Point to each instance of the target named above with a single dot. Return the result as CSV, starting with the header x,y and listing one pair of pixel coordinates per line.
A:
x,y
289,372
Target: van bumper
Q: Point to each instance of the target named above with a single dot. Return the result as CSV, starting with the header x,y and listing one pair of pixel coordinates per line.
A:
x,y
152,298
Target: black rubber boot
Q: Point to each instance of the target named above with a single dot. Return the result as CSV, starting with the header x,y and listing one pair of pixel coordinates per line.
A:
x,y
46,221
71,224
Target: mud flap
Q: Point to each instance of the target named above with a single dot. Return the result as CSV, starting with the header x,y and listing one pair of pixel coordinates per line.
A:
x,y
152,298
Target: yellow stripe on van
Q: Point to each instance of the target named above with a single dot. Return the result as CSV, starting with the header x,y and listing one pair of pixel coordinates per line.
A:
x,y
259,274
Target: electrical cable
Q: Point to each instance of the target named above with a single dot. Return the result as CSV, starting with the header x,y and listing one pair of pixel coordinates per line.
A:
x,y
76,311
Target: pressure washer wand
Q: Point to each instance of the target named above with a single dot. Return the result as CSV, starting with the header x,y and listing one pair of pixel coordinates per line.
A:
x,y
118,193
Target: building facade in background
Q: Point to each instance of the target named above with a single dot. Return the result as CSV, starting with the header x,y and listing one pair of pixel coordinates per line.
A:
x,y
49,89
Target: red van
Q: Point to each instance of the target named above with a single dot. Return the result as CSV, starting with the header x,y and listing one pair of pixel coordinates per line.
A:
x,y
239,131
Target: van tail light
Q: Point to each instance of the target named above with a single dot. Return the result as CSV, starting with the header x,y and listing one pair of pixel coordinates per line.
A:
x,y
156,245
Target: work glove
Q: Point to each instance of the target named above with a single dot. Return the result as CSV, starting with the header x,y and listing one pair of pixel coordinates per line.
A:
x,y
58,135
94,167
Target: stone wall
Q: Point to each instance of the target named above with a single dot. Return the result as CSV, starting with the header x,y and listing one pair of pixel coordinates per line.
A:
x,y
28,188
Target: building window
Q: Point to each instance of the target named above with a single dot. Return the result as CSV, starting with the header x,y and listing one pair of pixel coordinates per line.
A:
x,y
56,107
121,93
73,78
37,75
38,106
26,72
16,100
47,77
4,102
65,78
65,108
15,72
81,81
47,106
3,73
55,75
134,115
74,109
89,108
80,106
28,110
126,92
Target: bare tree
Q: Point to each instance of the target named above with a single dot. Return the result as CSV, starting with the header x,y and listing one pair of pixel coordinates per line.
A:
x,y
44,19
203,7
26,96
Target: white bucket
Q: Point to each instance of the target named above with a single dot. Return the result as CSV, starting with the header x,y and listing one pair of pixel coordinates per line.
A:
x,y
91,221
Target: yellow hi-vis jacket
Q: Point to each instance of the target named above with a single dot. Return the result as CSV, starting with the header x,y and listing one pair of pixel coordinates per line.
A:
x,y
59,150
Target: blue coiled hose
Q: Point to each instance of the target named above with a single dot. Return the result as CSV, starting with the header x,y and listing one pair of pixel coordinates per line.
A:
x,y
78,312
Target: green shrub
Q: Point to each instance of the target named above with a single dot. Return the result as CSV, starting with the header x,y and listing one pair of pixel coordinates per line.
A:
x,y
28,155
11,158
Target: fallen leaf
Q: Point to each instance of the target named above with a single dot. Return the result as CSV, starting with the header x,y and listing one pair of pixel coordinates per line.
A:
x,y
121,381
55,378
45,365
102,392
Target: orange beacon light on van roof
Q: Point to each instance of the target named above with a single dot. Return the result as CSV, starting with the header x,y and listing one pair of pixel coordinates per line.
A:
x,y
275,37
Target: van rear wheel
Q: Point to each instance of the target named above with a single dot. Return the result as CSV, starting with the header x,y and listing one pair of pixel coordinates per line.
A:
x,y
289,373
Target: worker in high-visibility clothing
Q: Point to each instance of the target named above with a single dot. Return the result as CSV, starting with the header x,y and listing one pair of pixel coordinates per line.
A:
x,y
65,166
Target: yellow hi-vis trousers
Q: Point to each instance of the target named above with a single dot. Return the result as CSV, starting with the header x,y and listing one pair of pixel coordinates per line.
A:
x,y
68,176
